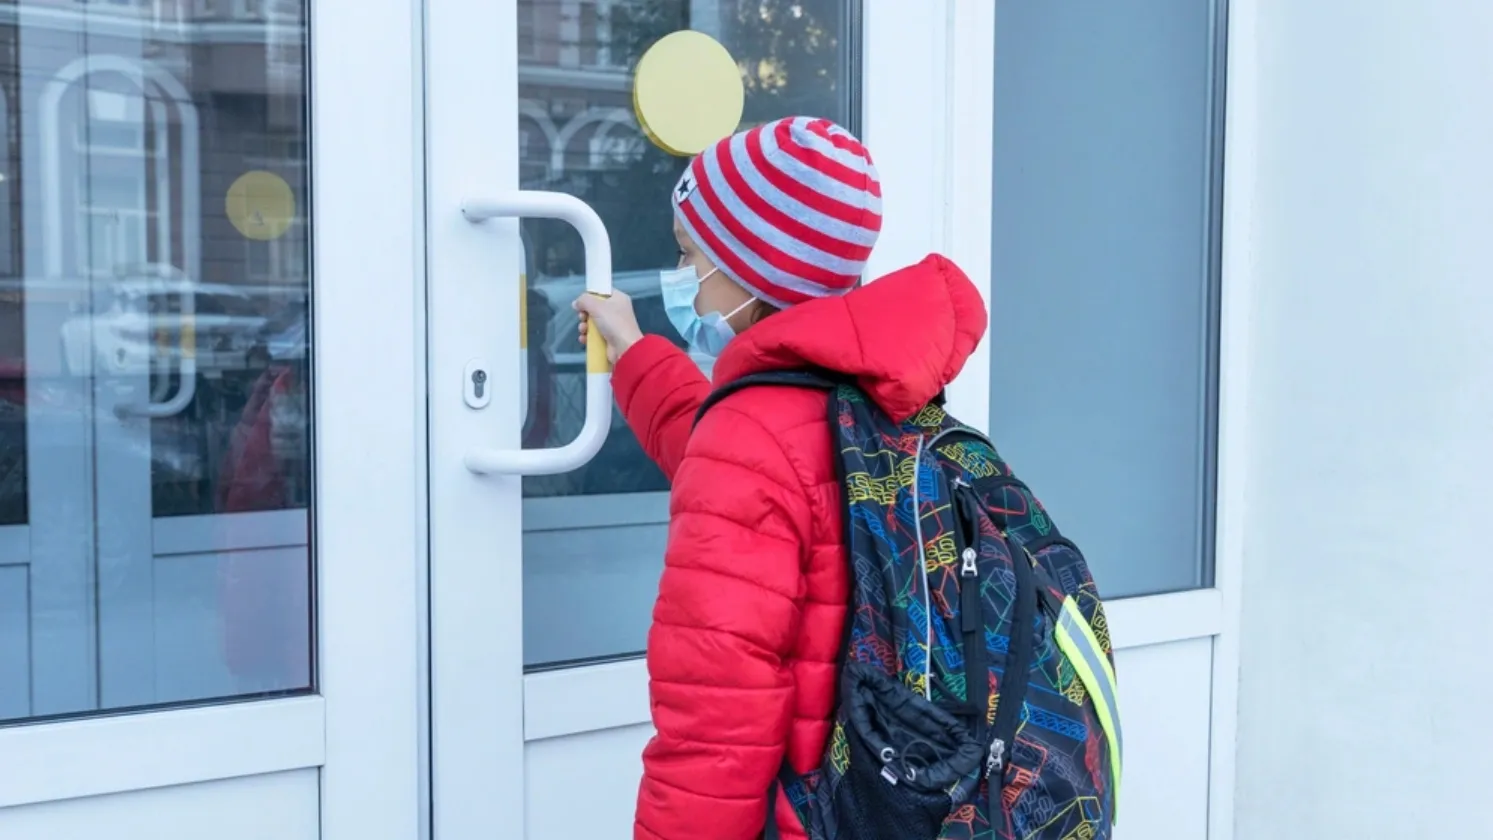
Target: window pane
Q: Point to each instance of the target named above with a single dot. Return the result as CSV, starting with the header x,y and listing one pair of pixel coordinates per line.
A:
x,y
1105,267
594,538
154,429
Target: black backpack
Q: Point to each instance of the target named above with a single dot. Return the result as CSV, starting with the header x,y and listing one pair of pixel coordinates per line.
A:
x,y
977,688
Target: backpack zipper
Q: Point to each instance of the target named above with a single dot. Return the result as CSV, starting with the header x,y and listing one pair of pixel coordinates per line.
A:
x,y
1017,676
971,615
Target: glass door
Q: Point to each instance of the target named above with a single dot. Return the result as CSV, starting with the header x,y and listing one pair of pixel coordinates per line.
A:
x,y
594,538
157,390
176,521
542,585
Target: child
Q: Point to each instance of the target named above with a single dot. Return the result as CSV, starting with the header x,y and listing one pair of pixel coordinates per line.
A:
x,y
774,227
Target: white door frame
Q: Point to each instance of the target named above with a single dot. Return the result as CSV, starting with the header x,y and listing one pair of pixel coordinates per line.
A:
x,y
476,576
363,728
1234,436
368,148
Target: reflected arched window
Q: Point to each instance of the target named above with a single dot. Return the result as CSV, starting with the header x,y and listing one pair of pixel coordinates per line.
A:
x,y
120,168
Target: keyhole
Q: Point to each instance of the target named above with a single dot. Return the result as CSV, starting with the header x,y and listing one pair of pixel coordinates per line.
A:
x,y
474,389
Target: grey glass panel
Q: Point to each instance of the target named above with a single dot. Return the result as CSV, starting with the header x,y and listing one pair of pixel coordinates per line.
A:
x,y
1105,266
578,135
154,390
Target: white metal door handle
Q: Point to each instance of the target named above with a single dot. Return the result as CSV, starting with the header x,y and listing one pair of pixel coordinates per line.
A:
x,y
534,204
186,390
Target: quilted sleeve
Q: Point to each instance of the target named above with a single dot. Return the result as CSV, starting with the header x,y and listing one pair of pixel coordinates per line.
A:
x,y
659,389
723,627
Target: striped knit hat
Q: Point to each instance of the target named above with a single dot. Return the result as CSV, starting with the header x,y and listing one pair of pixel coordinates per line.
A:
x,y
789,210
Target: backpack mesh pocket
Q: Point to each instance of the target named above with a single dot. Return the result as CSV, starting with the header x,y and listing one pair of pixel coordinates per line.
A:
x,y
907,760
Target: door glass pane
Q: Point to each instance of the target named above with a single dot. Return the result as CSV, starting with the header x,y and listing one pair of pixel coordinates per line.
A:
x,y
1104,241
12,399
154,388
594,538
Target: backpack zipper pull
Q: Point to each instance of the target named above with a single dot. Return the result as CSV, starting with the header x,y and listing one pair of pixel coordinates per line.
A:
x,y
888,755
970,566
997,757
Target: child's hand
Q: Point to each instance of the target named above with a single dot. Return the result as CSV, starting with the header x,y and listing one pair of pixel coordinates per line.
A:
x,y
614,320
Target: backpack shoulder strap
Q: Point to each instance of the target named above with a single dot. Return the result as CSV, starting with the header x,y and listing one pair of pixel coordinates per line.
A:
x,y
811,379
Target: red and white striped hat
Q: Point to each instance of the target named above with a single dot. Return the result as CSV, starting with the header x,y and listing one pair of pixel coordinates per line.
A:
x,y
789,210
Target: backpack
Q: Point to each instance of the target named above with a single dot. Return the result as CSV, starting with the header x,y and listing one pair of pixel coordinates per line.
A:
x,y
976,694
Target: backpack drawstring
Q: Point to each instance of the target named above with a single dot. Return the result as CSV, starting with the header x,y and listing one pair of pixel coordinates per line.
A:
x,y
917,526
907,762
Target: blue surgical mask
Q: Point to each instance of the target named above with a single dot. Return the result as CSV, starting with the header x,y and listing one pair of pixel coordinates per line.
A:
x,y
707,334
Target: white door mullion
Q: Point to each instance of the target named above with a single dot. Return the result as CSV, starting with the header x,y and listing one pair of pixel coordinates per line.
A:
x,y
476,619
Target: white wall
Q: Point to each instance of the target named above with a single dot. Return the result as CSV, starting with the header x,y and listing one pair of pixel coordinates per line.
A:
x,y
1365,673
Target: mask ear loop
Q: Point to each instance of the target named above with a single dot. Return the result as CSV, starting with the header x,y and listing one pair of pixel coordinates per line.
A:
x,y
733,313
699,282
744,305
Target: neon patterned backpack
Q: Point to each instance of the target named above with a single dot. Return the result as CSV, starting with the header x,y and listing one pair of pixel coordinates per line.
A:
x,y
977,688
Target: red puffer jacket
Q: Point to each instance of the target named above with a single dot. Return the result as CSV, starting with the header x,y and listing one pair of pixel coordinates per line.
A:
x,y
746,631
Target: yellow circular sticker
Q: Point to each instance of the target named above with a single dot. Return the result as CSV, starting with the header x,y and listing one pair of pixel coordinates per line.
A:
x,y
260,204
687,93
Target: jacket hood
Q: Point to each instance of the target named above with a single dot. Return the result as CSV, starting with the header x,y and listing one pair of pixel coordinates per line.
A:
x,y
903,337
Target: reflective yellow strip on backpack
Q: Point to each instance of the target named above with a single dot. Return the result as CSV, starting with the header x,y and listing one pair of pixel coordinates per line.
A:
x,y
1077,642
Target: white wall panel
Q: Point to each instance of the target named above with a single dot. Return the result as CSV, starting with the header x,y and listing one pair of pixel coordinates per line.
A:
x,y
282,806
1164,704
611,759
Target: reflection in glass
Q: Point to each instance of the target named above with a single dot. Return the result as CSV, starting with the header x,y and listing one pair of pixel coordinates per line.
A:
x,y
154,435
601,555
